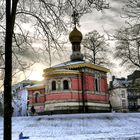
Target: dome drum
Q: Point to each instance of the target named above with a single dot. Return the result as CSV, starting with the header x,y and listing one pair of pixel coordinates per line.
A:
x,y
76,56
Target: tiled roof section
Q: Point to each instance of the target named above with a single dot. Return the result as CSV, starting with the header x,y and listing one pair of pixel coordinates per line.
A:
x,y
134,75
61,72
118,82
76,64
68,63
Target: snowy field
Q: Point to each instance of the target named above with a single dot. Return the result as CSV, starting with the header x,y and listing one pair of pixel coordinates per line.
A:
x,y
104,126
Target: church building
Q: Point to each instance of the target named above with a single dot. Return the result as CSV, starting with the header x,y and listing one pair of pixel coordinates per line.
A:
x,y
74,86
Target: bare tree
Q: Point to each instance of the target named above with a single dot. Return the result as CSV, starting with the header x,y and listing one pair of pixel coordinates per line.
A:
x,y
128,37
128,46
46,18
44,22
23,56
132,9
97,48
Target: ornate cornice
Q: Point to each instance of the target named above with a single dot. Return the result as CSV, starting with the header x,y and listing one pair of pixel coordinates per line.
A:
x,y
73,66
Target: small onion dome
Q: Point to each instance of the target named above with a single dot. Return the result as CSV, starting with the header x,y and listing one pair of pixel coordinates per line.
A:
x,y
75,36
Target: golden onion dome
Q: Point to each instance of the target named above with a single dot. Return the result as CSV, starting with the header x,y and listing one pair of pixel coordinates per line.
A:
x,y
75,36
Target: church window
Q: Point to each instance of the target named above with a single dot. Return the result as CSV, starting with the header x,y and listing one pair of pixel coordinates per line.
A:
x,y
36,98
65,84
97,85
123,93
53,85
123,103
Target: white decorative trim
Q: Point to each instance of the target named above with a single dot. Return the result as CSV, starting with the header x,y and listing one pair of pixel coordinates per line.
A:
x,y
61,105
69,83
55,106
97,104
50,84
36,92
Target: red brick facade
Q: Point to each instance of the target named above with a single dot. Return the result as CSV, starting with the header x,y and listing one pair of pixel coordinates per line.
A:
x,y
81,88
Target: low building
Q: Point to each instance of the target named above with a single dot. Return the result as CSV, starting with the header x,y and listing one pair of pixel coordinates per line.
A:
x,y
118,94
36,96
20,97
134,91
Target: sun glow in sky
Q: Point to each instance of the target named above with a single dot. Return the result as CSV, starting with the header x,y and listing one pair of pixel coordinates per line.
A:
x,y
36,75
37,72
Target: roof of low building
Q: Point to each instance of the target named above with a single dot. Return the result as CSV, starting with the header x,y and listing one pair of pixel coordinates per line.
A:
x,y
134,75
36,86
118,83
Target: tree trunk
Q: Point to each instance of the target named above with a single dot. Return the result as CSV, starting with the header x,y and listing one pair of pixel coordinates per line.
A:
x,y
8,75
10,21
94,57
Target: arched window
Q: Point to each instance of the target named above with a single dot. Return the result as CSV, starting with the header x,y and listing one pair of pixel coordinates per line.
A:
x,y
65,84
53,85
36,97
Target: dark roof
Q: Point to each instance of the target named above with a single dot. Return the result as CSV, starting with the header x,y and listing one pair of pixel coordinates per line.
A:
x,y
134,75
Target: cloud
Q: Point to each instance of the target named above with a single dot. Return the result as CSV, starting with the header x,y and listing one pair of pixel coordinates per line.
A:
x,y
109,19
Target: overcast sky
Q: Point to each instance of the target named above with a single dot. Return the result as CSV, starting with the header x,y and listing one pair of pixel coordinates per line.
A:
x,y
108,20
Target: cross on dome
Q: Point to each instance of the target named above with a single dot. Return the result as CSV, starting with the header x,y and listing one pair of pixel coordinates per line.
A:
x,y
75,17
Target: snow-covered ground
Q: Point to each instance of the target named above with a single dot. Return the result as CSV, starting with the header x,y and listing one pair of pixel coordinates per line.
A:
x,y
104,126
